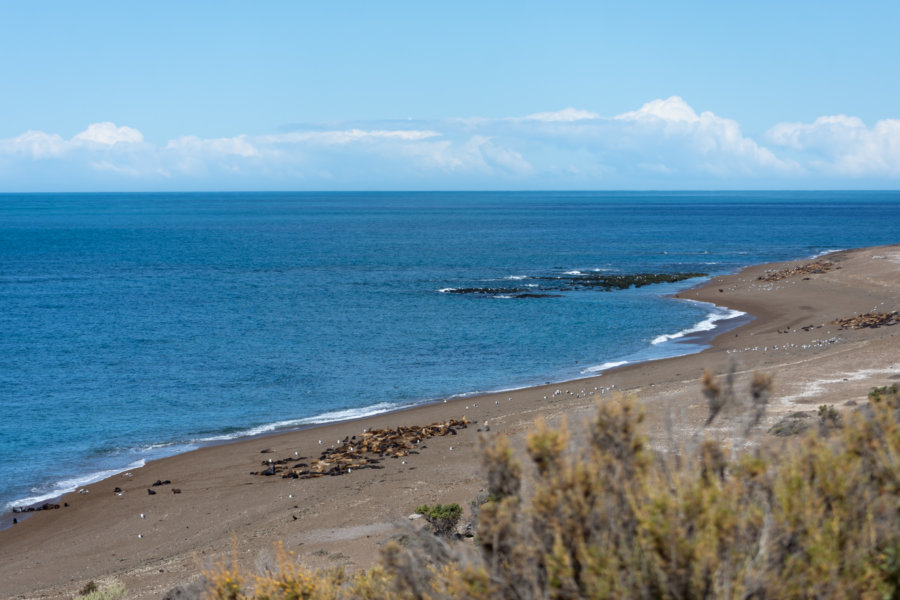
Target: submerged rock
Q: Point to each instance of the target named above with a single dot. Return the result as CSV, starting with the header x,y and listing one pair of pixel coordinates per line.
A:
x,y
550,286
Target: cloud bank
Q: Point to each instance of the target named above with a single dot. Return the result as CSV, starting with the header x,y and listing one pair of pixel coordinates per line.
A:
x,y
663,144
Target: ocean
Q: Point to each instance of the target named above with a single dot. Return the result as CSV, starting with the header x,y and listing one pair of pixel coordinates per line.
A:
x,y
136,326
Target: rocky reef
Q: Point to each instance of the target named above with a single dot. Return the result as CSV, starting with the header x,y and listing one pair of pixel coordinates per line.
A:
x,y
554,285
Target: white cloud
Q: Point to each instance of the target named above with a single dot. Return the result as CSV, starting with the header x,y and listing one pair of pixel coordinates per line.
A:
x,y
108,134
37,144
233,146
665,143
349,135
477,154
705,142
671,110
566,115
40,145
843,145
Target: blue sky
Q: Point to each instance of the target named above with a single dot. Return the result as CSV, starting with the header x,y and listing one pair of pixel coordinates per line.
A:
x,y
462,95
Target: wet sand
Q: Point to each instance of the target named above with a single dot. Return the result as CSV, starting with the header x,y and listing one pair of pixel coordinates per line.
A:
x,y
343,520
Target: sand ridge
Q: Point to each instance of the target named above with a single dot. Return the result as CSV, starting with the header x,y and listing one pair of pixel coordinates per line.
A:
x,y
149,541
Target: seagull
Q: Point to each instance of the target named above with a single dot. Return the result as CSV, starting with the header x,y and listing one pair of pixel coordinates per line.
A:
x,y
290,495
140,535
142,516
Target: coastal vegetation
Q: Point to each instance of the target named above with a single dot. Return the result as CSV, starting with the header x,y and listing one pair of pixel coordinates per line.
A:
x,y
91,591
811,516
443,518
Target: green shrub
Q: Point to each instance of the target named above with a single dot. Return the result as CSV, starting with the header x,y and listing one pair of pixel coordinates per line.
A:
x,y
92,592
443,518
885,393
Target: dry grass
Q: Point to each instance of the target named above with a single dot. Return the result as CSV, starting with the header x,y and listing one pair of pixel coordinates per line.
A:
x,y
813,517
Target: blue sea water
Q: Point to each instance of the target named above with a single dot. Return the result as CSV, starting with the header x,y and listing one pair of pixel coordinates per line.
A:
x,y
133,326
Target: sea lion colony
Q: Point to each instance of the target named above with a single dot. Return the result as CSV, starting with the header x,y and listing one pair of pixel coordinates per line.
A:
x,y
869,319
364,451
820,266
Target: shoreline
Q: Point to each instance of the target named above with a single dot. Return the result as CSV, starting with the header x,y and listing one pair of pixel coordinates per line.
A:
x,y
689,336
341,521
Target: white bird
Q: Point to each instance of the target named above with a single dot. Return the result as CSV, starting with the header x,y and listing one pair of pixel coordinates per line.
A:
x,y
140,535
142,516
403,462
320,441
290,495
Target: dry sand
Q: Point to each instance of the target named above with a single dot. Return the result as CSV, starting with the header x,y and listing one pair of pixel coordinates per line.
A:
x,y
343,520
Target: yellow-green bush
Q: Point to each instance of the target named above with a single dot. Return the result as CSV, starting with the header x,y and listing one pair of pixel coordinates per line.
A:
x,y
816,517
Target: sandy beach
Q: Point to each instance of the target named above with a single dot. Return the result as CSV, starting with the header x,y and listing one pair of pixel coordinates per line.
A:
x,y
153,542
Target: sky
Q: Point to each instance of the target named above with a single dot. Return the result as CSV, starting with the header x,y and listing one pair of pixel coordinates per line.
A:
x,y
362,95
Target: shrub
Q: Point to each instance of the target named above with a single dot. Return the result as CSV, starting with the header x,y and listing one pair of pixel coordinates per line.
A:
x,y
443,518
885,393
92,592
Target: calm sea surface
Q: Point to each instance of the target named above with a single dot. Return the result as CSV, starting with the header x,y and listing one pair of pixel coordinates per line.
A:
x,y
134,326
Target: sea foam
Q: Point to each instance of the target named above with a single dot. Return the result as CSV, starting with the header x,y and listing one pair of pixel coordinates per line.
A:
x,y
707,324
327,417
605,366
65,486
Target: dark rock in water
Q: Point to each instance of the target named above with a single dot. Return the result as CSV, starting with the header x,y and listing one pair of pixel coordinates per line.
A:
x,y
151,492
486,291
533,295
545,286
